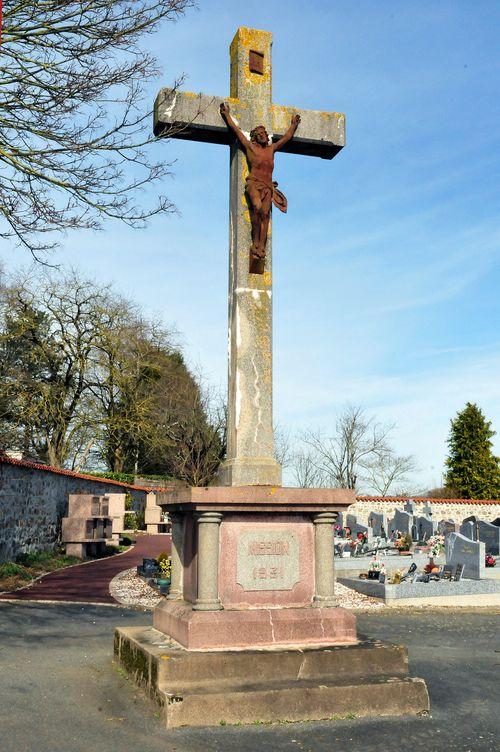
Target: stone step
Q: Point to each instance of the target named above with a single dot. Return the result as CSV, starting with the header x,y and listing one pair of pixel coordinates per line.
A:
x,y
275,702
163,664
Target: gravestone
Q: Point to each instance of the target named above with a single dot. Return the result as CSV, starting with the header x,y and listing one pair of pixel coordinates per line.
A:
x,y
426,528
462,550
410,507
468,529
351,521
448,526
427,509
378,524
490,535
402,521
252,562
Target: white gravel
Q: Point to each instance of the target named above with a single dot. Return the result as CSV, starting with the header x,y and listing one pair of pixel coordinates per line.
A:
x,y
131,590
348,598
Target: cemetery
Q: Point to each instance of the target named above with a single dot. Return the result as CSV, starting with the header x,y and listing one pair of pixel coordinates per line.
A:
x,y
445,567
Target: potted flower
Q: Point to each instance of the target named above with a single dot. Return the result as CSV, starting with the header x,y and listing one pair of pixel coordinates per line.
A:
x,y
165,565
404,544
375,569
490,561
435,547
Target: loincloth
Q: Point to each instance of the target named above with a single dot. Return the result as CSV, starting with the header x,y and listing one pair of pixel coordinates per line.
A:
x,y
265,189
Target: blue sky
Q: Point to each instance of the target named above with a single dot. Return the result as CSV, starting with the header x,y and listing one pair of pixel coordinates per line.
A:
x,y
386,267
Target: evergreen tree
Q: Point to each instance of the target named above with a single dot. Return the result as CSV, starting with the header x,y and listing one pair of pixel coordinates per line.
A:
x,y
472,468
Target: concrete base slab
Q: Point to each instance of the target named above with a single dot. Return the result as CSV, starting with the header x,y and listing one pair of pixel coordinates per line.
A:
x,y
434,593
270,685
245,629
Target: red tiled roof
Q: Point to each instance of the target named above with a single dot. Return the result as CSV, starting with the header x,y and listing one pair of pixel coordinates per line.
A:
x,y
6,460
418,499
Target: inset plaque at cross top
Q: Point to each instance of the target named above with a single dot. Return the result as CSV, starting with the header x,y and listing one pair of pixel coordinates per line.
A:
x,y
267,560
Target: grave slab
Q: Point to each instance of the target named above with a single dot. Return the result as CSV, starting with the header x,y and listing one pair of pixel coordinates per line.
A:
x,y
465,592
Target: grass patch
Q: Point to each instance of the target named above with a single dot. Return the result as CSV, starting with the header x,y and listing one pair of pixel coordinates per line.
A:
x,y
30,566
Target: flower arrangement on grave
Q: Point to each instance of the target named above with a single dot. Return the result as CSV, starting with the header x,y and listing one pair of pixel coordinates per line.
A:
x,y
337,529
396,577
375,569
165,565
490,561
362,537
376,566
435,546
404,543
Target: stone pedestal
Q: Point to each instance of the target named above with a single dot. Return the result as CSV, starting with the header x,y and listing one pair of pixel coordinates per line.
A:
x,y
253,584
253,566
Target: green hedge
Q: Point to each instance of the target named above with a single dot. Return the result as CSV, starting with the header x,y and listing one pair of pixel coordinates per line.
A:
x,y
129,477
120,477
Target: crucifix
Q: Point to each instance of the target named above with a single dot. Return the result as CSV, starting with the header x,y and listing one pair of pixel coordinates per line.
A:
x,y
197,117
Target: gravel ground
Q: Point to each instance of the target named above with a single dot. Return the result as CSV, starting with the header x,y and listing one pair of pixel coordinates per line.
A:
x,y
131,590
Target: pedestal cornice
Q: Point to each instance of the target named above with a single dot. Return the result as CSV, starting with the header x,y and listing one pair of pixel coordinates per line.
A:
x,y
251,499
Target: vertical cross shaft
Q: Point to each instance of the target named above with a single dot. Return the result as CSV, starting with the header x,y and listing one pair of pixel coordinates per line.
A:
x,y
250,442
184,115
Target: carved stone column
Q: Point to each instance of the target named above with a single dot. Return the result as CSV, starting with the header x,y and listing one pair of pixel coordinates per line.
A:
x,y
177,557
323,554
208,562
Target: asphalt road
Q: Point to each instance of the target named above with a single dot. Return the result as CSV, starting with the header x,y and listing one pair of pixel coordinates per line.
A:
x,y
60,692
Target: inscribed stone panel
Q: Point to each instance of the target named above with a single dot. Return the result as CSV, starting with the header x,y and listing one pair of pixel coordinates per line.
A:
x,y
267,560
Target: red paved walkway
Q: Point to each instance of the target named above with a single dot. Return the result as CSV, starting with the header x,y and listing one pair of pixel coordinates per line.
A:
x,y
89,583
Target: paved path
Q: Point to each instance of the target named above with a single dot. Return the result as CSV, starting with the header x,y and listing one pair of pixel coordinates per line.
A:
x,y
89,583
60,692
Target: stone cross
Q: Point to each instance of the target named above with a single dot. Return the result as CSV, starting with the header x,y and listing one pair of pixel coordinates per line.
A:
x,y
196,117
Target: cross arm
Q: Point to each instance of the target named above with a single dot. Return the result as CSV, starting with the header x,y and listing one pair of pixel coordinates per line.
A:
x,y
196,117
193,117
320,134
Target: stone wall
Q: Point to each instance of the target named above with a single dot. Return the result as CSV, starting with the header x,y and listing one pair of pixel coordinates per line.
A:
x,y
34,498
442,509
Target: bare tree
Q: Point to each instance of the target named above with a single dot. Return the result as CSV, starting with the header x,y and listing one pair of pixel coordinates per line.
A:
x,y
357,451
282,446
386,470
356,441
73,123
307,474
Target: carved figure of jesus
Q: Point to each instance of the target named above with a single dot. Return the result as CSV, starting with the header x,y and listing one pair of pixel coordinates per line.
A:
x,y
262,192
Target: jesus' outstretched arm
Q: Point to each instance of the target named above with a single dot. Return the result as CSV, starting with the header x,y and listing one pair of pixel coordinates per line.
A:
x,y
224,111
289,134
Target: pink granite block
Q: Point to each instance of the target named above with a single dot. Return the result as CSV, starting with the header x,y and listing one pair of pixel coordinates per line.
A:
x,y
255,628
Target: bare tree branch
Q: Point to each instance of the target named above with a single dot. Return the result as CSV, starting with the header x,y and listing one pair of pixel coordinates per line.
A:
x,y
74,126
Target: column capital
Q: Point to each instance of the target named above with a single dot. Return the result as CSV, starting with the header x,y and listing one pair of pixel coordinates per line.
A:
x,y
325,518
210,517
